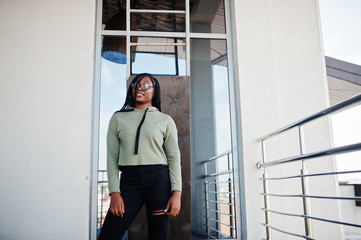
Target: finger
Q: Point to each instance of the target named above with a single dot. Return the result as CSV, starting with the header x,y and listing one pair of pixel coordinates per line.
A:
x,y
167,207
112,210
176,212
159,213
171,213
121,210
115,212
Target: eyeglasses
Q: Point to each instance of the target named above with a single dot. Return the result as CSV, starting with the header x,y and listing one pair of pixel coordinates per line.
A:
x,y
144,86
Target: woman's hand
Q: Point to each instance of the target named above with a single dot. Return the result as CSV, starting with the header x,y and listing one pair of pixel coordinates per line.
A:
x,y
174,204
116,204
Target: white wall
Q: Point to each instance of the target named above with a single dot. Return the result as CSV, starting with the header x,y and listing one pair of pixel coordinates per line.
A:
x,y
46,77
350,213
281,73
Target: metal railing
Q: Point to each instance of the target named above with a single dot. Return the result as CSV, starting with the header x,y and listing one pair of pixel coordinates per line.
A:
x,y
219,198
304,176
103,197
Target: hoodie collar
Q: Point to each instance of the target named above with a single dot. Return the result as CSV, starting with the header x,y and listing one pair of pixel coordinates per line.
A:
x,y
150,109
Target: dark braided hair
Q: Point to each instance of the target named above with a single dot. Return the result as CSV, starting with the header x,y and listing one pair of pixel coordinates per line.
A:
x,y
130,99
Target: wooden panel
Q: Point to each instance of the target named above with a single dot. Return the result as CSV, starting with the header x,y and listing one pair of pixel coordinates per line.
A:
x,y
175,102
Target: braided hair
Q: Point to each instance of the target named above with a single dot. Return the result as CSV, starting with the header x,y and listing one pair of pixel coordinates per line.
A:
x,y
130,98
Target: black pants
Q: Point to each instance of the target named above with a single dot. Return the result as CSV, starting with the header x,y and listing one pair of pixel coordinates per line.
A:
x,y
147,184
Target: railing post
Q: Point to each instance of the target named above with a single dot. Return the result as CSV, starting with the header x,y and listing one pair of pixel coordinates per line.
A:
x,y
101,205
230,199
206,202
216,205
306,205
304,186
206,205
265,197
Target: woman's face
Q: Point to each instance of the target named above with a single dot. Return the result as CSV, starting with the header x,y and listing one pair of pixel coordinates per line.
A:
x,y
144,96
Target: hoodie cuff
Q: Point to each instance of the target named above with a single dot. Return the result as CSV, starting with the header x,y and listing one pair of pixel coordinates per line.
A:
x,y
175,187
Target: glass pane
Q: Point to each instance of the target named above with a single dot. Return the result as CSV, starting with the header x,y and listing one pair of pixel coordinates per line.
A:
x,y
207,16
114,15
210,125
114,49
158,4
158,22
158,60
112,96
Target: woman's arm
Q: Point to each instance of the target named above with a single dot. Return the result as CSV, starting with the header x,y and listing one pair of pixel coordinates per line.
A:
x,y
112,156
173,156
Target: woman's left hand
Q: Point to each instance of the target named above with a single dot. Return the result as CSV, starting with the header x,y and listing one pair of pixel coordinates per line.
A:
x,y
174,204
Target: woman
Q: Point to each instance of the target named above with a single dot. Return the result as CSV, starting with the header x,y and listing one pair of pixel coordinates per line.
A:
x,y
142,143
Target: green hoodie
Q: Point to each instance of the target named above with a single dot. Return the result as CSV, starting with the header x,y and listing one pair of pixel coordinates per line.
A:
x,y
155,134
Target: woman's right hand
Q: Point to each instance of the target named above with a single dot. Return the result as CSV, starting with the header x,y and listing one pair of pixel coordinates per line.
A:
x,y
116,204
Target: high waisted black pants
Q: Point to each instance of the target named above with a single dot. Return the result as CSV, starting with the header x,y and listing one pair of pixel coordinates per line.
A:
x,y
147,184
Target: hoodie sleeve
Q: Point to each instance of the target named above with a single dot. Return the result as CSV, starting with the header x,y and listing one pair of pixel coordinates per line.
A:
x,y
173,155
112,156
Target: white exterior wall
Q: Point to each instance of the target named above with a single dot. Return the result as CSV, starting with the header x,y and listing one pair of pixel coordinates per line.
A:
x,y
46,78
281,74
350,213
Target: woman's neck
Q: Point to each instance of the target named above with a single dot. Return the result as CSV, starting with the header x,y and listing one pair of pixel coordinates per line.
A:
x,y
142,106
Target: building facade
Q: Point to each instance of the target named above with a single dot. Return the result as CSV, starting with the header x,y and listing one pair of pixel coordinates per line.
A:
x,y
269,53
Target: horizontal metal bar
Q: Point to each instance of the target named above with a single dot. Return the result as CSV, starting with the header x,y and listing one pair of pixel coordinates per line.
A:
x,y
162,34
114,33
217,156
157,44
328,152
213,237
311,196
225,235
314,218
289,233
208,35
143,34
218,173
338,107
217,182
218,192
222,213
215,220
218,202
157,11
219,59
312,175
150,52
210,236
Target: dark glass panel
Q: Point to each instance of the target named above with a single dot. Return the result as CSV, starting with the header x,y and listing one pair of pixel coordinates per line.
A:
x,y
158,4
158,22
159,60
207,16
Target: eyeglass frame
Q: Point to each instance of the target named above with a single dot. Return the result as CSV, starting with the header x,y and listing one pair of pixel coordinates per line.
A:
x,y
142,86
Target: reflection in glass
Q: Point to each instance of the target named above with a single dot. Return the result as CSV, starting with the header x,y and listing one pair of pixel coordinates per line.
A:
x,y
114,49
114,15
159,60
210,127
207,16
112,96
158,4
163,22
